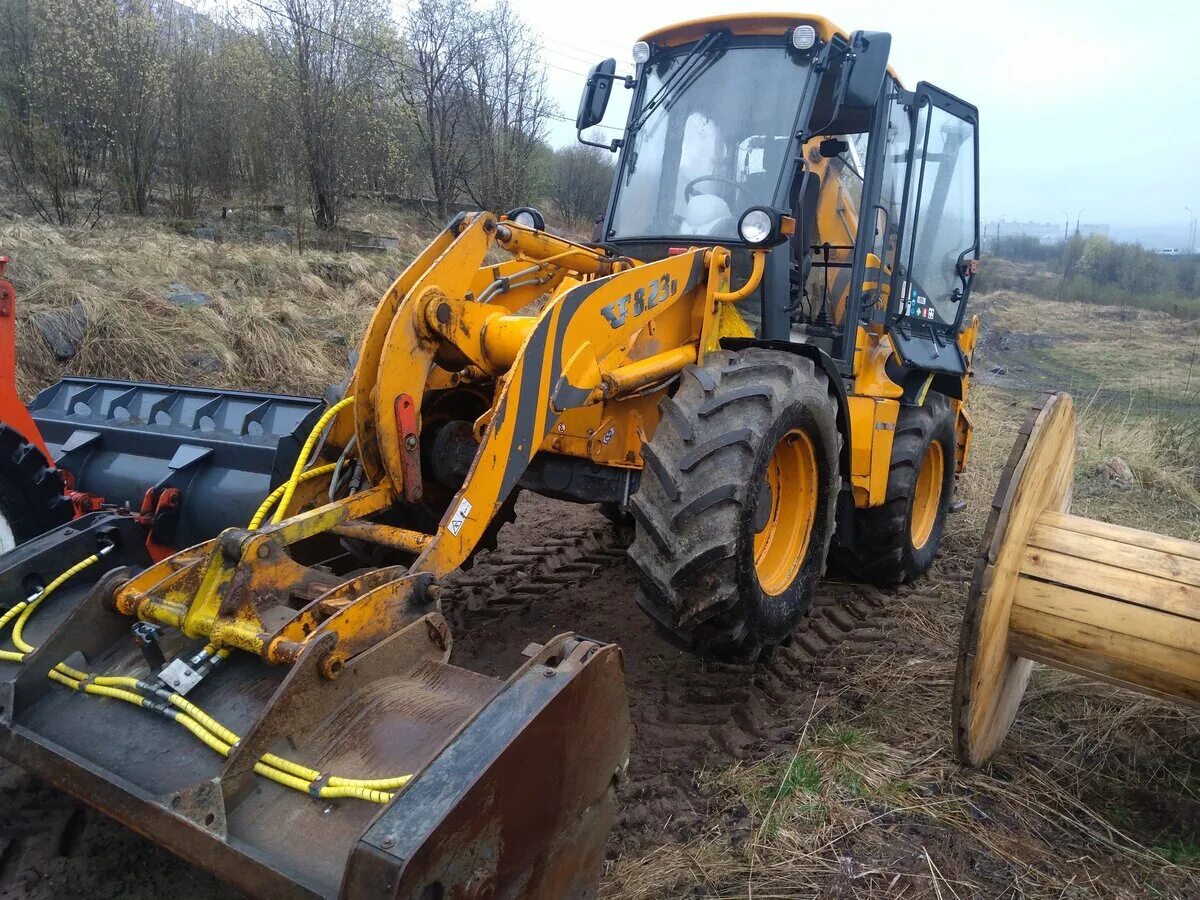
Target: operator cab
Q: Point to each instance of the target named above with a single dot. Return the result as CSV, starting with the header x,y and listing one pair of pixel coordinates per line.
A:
x,y
788,113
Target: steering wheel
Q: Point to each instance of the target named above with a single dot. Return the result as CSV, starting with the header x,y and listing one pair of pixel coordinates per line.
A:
x,y
689,189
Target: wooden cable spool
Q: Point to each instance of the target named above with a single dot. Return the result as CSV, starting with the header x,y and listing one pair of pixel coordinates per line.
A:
x,y
1116,604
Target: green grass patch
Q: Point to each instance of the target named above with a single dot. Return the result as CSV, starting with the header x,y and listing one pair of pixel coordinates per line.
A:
x,y
803,776
1181,849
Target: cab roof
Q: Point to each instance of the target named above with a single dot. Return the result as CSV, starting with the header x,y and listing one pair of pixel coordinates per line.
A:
x,y
741,23
750,23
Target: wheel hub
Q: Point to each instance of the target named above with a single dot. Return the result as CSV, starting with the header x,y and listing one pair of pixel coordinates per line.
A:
x,y
785,512
928,495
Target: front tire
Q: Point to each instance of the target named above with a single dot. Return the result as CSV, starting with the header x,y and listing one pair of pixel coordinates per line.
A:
x,y
735,509
31,492
899,540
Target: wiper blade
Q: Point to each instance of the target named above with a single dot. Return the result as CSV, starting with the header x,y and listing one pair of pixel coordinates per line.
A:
x,y
697,60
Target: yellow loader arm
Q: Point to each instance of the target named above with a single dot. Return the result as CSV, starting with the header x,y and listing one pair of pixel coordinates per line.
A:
x,y
450,316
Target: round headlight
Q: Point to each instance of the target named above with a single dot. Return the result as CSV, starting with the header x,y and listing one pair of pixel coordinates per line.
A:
x,y
641,52
755,226
803,37
528,217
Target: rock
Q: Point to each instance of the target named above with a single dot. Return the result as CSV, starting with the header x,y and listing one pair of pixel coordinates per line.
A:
x,y
336,338
204,362
374,243
63,329
998,370
1116,471
335,271
185,295
205,234
279,236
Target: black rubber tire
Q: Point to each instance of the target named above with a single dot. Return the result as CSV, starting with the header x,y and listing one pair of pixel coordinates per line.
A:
x,y
883,551
31,490
695,506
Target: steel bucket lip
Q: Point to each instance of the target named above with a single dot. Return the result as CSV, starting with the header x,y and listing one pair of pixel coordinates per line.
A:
x,y
115,796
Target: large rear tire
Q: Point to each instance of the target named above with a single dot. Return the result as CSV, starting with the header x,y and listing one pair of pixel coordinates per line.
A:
x,y
31,492
899,540
735,508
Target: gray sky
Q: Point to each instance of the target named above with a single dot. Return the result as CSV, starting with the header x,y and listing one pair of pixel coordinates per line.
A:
x,y
1085,105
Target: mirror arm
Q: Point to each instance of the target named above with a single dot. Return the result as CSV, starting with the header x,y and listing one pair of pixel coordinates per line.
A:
x,y
627,80
612,147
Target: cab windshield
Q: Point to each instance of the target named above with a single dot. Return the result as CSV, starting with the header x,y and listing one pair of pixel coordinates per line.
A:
x,y
714,145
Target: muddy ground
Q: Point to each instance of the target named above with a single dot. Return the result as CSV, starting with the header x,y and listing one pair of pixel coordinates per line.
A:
x,y
560,567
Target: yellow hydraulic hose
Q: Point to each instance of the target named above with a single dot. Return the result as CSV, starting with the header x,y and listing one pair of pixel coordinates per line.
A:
x,y
25,608
261,767
274,496
219,738
302,459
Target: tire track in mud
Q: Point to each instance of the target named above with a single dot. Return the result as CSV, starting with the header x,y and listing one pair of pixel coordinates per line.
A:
x,y
686,713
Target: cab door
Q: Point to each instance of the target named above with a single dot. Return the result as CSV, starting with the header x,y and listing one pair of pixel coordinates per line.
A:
x,y
939,234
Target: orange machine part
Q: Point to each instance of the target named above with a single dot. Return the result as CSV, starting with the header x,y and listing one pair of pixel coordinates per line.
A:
x,y
12,411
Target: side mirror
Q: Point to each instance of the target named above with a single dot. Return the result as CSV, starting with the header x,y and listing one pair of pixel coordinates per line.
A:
x,y
871,50
596,92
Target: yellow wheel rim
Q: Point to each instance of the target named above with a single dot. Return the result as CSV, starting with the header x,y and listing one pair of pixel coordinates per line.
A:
x,y
781,543
928,498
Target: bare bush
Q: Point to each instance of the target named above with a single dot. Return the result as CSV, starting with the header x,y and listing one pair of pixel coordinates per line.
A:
x,y
580,185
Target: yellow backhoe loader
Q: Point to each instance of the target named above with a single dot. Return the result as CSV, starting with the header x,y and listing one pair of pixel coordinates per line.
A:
x,y
762,358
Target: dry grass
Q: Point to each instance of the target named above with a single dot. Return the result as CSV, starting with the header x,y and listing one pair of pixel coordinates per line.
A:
x,y
278,320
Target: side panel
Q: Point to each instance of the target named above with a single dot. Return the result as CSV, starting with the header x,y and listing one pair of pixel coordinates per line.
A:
x,y
872,431
557,370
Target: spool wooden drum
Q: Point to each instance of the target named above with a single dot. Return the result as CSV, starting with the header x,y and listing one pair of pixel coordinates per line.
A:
x,y
1116,604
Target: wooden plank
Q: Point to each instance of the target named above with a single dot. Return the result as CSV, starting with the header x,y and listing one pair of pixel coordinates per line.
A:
x,y
1071,636
1125,555
1112,581
1117,616
1112,671
1120,533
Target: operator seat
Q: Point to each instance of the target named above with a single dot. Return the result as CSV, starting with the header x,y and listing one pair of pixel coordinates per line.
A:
x,y
707,214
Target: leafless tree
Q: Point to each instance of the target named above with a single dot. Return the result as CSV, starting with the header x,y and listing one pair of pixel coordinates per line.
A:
x,y
332,54
250,90
311,99
191,116
137,37
439,38
55,94
508,108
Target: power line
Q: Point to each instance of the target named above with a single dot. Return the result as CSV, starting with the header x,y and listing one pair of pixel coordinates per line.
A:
x,y
587,62
624,48
387,57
